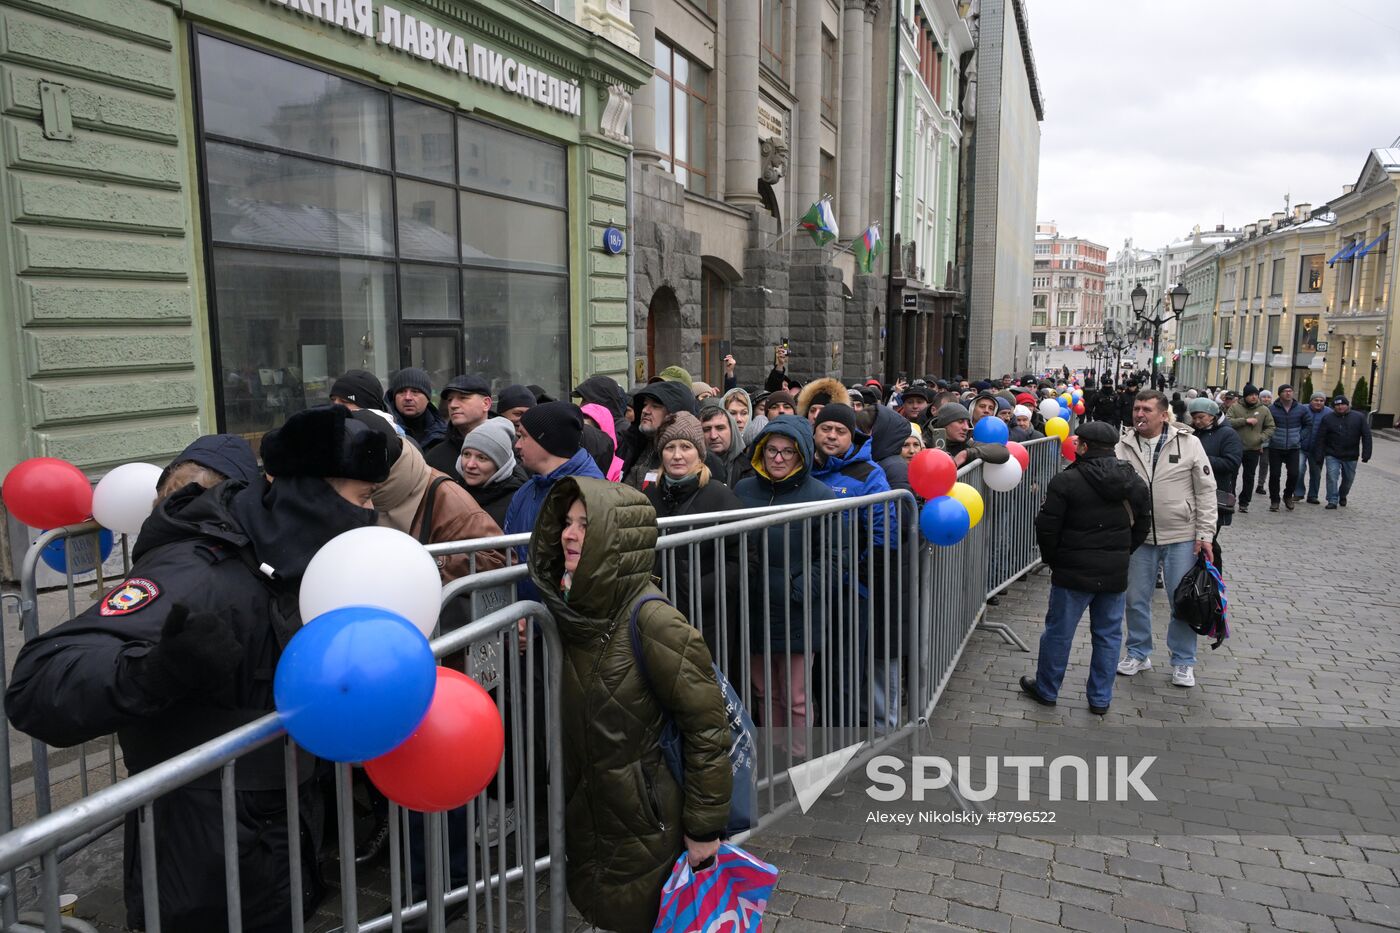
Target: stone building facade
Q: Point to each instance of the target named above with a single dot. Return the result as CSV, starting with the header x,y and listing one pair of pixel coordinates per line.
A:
x,y
756,109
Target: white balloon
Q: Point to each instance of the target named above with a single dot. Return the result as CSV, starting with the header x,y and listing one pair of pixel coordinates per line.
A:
x,y
124,498
1050,408
373,566
1002,476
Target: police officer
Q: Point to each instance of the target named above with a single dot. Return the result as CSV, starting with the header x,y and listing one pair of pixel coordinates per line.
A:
x,y
184,650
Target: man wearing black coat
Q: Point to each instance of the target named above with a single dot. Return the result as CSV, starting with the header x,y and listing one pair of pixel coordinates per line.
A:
x,y
1096,513
1343,436
184,650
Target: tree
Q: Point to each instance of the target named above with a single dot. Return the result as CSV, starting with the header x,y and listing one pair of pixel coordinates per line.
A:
x,y
1339,389
1307,388
1360,396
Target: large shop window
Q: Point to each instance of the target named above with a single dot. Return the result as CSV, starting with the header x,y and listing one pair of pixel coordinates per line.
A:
x,y
342,219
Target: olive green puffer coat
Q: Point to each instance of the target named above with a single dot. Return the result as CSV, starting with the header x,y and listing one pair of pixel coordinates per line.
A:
x,y
624,814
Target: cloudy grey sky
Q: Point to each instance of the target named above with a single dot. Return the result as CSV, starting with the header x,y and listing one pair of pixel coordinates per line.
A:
x,y
1160,116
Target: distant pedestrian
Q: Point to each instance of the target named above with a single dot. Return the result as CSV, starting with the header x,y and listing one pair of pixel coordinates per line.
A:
x,y
1310,471
1285,447
1254,424
1177,471
1096,513
1344,435
1222,445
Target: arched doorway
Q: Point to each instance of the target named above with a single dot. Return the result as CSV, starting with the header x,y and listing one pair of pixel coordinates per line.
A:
x,y
663,331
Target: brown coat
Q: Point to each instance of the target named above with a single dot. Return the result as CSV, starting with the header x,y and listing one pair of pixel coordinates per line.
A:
x,y
457,517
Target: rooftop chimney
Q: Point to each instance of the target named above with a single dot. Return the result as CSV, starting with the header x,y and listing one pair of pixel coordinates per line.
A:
x,y
1277,218
1303,212
1249,231
1348,189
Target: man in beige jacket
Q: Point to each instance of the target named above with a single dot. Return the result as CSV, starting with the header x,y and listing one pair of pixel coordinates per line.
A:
x,y
1177,471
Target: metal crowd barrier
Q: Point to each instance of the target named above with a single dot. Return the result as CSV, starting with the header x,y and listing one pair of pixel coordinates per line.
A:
x,y
891,616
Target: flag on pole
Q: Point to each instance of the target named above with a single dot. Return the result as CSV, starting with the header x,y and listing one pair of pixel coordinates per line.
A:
x,y
868,248
820,222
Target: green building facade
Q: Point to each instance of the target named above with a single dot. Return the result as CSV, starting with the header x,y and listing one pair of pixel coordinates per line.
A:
x,y
212,208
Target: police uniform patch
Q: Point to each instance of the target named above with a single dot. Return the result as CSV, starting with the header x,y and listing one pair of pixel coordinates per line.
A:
x,y
130,596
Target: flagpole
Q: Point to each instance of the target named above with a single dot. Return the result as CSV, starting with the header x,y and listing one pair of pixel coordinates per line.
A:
x,y
847,249
786,233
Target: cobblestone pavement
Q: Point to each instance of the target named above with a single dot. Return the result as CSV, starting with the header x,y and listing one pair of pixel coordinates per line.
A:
x,y
1316,641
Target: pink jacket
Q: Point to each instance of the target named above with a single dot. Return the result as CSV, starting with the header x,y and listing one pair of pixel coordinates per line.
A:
x,y
604,419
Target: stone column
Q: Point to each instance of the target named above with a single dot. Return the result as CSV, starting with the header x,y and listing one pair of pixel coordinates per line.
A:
x,y
644,100
867,92
853,66
807,134
741,102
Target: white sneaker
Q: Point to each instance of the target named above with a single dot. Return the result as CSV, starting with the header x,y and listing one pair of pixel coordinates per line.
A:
x,y
1183,676
1131,665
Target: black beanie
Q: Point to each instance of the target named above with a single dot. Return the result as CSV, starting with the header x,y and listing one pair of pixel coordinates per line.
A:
x,y
515,397
410,378
844,415
361,387
326,441
555,426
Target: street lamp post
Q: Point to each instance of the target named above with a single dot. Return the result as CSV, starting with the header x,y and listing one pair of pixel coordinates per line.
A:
x,y
1158,317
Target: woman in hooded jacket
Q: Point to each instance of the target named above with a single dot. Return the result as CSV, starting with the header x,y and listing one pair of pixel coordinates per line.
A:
x,y
602,419
626,819
687,488
739,404
488,467
791,583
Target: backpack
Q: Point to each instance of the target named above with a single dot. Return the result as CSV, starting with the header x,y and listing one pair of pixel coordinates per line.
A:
x,y
1200,601
743,799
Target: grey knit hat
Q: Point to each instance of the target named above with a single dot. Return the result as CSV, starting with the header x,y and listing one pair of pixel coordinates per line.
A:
x,y
495,438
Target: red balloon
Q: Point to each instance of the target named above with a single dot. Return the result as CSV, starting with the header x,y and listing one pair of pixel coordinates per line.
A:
x,y
1079,408
45,492
1022,455
932,473
451,756
1067,448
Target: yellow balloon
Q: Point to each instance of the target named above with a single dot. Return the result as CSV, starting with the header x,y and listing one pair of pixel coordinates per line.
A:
x,y
1067,399
1057,427
971,499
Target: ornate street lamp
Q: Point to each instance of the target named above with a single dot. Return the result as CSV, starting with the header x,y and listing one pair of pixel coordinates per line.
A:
x,y
1177,298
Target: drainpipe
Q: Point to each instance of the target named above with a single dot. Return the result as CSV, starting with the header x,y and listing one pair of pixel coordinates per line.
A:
x,y
628,377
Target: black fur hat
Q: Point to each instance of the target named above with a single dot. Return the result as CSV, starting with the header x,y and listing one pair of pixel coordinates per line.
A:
x,y
326,441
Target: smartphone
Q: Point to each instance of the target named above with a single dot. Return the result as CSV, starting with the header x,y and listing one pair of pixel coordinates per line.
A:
x,y
903,377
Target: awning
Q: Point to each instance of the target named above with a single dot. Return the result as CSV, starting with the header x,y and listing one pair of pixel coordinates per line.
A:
x,y
1371,245
1345,254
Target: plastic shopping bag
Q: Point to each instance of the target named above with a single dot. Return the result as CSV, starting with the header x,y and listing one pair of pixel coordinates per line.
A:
x,y
727,897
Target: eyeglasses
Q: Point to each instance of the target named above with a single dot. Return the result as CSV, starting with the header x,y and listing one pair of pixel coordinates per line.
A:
x,y
780,453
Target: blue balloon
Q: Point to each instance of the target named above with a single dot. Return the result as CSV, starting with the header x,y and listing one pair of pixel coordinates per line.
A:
x,y
944,521
354,683
1064,411
990,430
1077,396
85,558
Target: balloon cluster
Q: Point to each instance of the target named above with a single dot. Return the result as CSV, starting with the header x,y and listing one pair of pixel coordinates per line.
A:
x,y
358,682
952,509
46,492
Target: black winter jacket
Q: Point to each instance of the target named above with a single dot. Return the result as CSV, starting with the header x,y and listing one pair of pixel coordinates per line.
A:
x,y
1344,436
1226,452
1096,513
697,590
887,437
494,498
90,677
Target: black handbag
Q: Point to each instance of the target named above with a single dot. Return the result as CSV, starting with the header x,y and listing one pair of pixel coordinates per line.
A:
x,y
1225,501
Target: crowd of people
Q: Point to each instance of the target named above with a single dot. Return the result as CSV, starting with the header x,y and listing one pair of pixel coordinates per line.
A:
x,y
184,650
1154,482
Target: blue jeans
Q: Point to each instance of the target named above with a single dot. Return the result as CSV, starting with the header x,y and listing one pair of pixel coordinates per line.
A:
x,y
1344,470
1309,478
1175,560
1105,629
